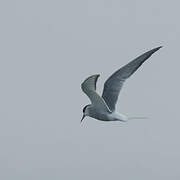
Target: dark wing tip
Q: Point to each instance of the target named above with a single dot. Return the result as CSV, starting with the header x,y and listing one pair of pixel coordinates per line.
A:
x,y
156,49
149,53
97,75
95,78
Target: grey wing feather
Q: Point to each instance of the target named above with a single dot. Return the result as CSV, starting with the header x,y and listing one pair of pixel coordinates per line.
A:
x,y
89,88
115,82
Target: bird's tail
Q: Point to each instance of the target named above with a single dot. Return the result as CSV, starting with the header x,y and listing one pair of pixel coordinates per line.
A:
x,y
130,118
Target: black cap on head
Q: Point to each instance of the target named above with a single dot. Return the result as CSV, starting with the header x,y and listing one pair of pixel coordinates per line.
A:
x,y
85,108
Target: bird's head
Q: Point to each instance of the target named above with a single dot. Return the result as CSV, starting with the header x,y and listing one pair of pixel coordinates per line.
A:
x,y
85,112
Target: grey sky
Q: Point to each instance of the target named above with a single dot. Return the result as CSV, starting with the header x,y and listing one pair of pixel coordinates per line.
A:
x,y
47,49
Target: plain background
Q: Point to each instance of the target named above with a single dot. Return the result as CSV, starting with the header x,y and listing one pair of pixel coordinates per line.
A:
x,y
47,48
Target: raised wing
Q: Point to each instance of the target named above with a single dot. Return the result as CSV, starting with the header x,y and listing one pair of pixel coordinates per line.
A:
x,y
89,88
115,82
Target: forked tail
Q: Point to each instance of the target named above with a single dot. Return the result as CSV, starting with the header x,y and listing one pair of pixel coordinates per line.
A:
x,y
130,118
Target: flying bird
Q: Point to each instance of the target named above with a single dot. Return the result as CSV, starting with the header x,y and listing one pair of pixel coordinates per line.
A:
x,y
103,108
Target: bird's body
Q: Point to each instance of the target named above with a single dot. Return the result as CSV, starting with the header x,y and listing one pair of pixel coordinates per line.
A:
x,y
101,115
103,108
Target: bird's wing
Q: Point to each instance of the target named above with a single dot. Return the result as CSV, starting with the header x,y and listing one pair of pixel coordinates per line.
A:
x,y
114,83
89,88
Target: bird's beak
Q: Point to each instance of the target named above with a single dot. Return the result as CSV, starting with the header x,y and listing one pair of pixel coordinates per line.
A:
x,y
83,117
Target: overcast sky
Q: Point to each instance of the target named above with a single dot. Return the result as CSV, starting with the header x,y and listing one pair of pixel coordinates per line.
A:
x,y
47,48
